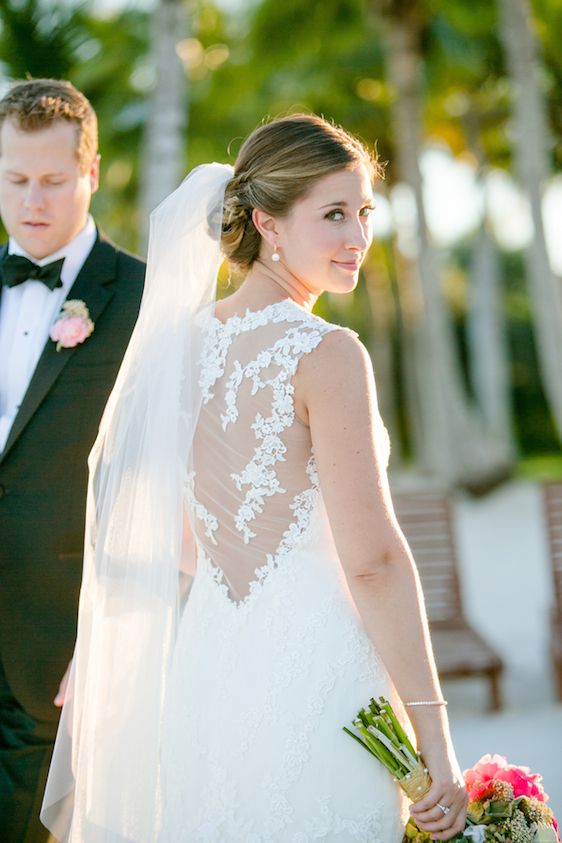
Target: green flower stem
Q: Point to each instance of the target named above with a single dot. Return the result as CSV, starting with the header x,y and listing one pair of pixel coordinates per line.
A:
x,y
362,715
401,734
381,752
381,724
374,749
389,746
358,739
413,759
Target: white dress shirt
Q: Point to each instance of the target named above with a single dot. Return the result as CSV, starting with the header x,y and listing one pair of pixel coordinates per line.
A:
x,y
27,312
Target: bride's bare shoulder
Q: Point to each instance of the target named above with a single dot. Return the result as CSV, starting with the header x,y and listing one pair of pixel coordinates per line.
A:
x,y
341,353
338,371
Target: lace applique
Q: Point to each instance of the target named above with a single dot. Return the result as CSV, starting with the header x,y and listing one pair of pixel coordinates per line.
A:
x,y
232,387
216,574
295,535
200,512
220,334
258,475
213,358
272,368
302,507
263,483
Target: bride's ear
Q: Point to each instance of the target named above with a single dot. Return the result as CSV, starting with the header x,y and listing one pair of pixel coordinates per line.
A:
x,y
266,226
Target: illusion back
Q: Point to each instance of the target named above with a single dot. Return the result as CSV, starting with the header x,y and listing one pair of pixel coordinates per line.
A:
x,y
252,484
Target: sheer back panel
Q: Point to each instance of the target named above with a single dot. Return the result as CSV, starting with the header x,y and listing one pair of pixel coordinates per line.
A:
x,y
251,486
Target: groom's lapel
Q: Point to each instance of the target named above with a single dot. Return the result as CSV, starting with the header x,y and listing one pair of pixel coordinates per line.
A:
x,y
3,250
93,285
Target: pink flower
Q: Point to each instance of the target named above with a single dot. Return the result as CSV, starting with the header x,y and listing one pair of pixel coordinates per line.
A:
x,y
73,325
495,767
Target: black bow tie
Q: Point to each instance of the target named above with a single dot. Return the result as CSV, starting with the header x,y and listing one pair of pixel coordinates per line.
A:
x,y
15,269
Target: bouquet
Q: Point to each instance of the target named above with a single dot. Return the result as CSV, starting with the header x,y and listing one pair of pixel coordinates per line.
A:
x,y
507,804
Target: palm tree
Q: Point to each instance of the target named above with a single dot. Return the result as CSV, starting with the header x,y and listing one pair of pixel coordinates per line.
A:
x,y
454,444
101,55
164,142
26,48
486,321
532,165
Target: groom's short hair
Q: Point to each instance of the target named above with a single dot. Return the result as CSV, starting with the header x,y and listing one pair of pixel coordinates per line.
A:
x,y
36,104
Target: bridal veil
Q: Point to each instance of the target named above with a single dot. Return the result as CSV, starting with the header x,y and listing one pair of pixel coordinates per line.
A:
x,y
103,785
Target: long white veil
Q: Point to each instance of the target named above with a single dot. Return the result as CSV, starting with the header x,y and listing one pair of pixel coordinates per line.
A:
x,y
103,784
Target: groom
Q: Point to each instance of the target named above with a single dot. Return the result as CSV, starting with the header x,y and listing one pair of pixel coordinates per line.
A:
x,y
52,395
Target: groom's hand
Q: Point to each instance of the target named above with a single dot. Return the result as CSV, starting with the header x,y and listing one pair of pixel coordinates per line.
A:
x,y
61,693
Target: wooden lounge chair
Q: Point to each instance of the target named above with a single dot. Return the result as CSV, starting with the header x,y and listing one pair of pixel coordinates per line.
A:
x,y
552,493
425,518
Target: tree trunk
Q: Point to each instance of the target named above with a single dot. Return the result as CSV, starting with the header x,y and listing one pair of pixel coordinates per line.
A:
x,y
532,165
164,142
455,445
486,334
486,324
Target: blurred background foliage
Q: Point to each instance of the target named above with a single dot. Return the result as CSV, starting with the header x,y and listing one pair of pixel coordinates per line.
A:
x,y
242,62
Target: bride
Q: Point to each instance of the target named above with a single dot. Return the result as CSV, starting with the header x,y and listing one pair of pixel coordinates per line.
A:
x,y
246,585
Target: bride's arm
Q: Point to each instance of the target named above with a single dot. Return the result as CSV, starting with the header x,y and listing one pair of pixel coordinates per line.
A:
x,y
335,390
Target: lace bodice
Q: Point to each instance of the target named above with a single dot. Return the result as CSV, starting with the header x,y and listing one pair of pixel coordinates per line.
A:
x,y
252,483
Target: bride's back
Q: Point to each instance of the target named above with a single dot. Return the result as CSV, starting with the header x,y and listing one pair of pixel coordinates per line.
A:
x,y
252,484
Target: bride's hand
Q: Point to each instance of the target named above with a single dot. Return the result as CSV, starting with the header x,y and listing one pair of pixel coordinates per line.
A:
x,y
448,790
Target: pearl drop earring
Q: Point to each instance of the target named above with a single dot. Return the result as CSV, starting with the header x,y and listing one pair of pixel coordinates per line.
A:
x,y
276,257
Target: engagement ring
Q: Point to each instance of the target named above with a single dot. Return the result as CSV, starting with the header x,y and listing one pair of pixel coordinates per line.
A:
x,y
444,808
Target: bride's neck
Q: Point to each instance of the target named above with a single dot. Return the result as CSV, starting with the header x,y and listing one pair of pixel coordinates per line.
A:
x,y
270,283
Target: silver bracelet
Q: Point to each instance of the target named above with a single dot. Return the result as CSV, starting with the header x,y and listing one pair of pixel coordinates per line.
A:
x,y
426,702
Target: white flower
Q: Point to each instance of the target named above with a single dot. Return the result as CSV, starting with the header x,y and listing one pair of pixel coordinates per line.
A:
x,y
476,833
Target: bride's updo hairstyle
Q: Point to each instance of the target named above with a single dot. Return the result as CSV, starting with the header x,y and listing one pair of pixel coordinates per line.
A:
x,y
277,165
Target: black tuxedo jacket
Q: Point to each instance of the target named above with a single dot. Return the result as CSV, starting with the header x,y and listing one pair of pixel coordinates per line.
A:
x,y
43,481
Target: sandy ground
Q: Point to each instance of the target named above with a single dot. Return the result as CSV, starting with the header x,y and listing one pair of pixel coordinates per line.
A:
x,y
506,585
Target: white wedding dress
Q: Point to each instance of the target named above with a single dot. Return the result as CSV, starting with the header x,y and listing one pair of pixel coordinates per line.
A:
x,y
272,659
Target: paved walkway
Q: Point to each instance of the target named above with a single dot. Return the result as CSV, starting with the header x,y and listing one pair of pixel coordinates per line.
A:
x,y
528,737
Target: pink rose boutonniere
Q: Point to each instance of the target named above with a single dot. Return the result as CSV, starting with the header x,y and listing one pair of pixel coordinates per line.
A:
x,y
73,325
